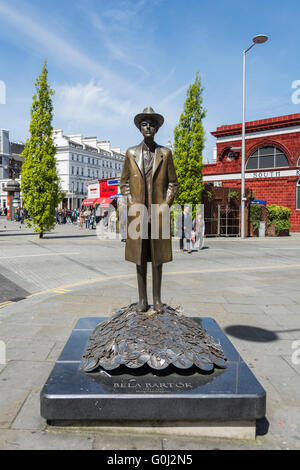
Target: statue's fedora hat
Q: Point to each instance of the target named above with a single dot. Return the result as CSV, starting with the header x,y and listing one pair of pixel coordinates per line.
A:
x,y
148,113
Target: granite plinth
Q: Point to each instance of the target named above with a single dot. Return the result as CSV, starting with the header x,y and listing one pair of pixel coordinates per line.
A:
x,y
146,394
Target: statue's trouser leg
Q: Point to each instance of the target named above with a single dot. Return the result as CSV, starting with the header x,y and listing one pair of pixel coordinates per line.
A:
x,y
156,285
141,271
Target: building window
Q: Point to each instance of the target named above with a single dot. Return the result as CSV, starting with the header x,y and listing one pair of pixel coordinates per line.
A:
x,y
267,157
298,195
298,164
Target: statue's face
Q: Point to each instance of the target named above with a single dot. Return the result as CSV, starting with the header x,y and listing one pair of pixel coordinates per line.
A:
x,y
148,127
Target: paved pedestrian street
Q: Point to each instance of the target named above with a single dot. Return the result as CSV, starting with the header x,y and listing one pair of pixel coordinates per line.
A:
x,y
250,287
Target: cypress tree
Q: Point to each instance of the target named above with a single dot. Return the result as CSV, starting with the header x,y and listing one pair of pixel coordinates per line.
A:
x,y
188,146
40,183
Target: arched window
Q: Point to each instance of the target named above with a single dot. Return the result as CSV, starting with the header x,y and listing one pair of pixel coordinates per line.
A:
x,y
298,164
267,157
298,195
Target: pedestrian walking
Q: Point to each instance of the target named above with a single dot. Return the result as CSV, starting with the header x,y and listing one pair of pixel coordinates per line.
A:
x,y
184,229
123,220
92,220
112,221
17,214
81,219
199,230
22,216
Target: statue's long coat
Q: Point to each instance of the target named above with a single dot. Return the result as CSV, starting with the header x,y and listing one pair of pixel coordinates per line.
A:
x,y
163,189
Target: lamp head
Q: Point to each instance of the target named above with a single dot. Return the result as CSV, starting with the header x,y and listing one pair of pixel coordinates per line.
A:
x,y
260,39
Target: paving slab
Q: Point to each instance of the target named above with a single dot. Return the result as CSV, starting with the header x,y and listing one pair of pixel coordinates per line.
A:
x,y
121,442
9,330
12,439
29,417
26,375
52,332
11,400
37,349
185,444
242,308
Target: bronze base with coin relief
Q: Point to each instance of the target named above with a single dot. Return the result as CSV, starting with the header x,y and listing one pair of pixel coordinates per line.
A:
x,y
156,338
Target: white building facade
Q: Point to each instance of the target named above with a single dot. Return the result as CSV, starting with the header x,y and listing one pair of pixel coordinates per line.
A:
x,y
83,159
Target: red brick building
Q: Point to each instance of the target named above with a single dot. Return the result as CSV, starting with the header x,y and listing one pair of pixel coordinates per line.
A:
x,y
272,156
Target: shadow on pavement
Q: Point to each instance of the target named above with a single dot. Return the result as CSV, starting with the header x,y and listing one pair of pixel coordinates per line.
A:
x,y
49,236
69,236
202,249
7,234
10,291
262,426
251,333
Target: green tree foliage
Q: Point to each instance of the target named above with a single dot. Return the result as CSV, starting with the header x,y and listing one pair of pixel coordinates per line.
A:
x,y
279,215
40,183
188,146
255,215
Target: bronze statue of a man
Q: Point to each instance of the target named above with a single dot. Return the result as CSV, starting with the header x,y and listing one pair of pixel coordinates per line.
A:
x,y
149,185
149,178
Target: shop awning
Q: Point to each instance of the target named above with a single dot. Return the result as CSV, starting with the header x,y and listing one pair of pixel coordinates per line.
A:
x,y
89,202
103,201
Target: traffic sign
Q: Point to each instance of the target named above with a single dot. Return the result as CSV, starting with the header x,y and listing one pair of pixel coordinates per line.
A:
x,y
113,182
259,201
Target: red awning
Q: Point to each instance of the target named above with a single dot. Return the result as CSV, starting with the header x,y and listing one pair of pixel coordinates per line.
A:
x,y
89,202
103,201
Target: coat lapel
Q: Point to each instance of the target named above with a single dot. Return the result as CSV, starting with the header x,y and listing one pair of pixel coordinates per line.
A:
x,y
157,160
139,157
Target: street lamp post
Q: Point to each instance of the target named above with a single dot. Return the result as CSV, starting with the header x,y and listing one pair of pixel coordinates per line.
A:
x,y
259,39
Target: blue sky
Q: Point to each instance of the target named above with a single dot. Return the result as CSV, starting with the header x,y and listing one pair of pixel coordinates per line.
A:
x,y
107,60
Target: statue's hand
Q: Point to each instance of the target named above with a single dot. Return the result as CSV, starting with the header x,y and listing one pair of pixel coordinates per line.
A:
x,y
129,199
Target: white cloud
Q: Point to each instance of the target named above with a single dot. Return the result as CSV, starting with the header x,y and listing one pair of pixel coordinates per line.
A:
x,y
112,46
106,100
90,104
51,43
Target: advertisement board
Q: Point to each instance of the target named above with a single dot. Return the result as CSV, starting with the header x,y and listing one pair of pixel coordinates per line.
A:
x,y
107,190
93,191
